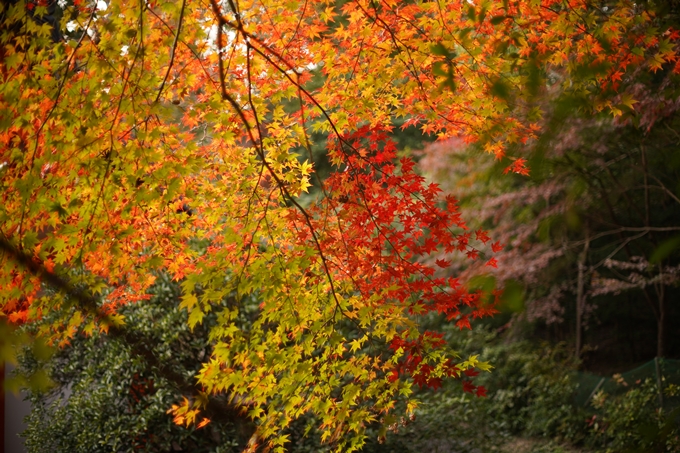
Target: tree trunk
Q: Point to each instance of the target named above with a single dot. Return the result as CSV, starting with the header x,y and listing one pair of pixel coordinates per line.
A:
x,y
661,324
580,296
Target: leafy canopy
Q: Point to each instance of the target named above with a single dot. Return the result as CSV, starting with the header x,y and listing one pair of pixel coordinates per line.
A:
x,y
147,137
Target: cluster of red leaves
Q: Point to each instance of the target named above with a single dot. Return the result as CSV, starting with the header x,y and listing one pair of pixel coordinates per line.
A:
x,y
412,365
31,4
422,373
17,308
518,166
388,219
392,221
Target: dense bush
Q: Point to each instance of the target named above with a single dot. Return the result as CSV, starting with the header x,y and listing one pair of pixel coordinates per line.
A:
x,y
633,421
107,397
531,393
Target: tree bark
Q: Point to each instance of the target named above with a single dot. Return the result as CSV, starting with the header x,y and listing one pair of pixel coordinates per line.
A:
x,y
661,323
580,296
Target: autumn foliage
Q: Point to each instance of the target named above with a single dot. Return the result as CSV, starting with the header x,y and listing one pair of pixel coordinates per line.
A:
x,y
175,137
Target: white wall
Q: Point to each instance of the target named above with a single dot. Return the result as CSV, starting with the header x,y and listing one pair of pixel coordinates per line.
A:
x,y
15,411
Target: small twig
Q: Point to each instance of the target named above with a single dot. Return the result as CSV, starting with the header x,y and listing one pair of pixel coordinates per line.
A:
x,y
172,50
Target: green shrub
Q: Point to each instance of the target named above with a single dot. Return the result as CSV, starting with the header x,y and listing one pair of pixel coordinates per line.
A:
x,y
634,421
530,393
107,398
118,401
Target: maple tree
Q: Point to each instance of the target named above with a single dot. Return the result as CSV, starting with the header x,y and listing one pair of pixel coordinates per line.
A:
x,y
174,137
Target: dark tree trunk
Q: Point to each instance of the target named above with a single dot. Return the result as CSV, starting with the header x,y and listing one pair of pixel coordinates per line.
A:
x,y
661,324
581,296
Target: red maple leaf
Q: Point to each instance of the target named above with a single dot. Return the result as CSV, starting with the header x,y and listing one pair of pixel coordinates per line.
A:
x,y
463,323
518,166
443,263
482,235
471,372
472,254
434,383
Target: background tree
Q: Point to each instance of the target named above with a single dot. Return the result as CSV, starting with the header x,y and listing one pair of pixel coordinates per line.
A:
x,y
592,233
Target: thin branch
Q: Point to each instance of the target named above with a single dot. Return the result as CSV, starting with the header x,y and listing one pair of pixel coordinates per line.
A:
x,y
618,249
172,50
90,305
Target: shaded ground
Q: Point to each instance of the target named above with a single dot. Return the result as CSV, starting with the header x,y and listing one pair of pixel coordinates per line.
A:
x,y
523,445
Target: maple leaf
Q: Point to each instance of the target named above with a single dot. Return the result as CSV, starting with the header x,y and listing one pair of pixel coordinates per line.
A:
x,y
434,383
472,254
482,235
463,323
443,263
518,166
203,423
468,387
471,373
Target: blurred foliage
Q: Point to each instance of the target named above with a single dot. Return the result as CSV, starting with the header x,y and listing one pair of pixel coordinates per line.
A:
x,y
602,195
633,422
105,398
531,393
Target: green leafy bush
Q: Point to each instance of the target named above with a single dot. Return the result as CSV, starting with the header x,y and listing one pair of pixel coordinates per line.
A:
x,y
112,395
530,393
634,421
107,398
